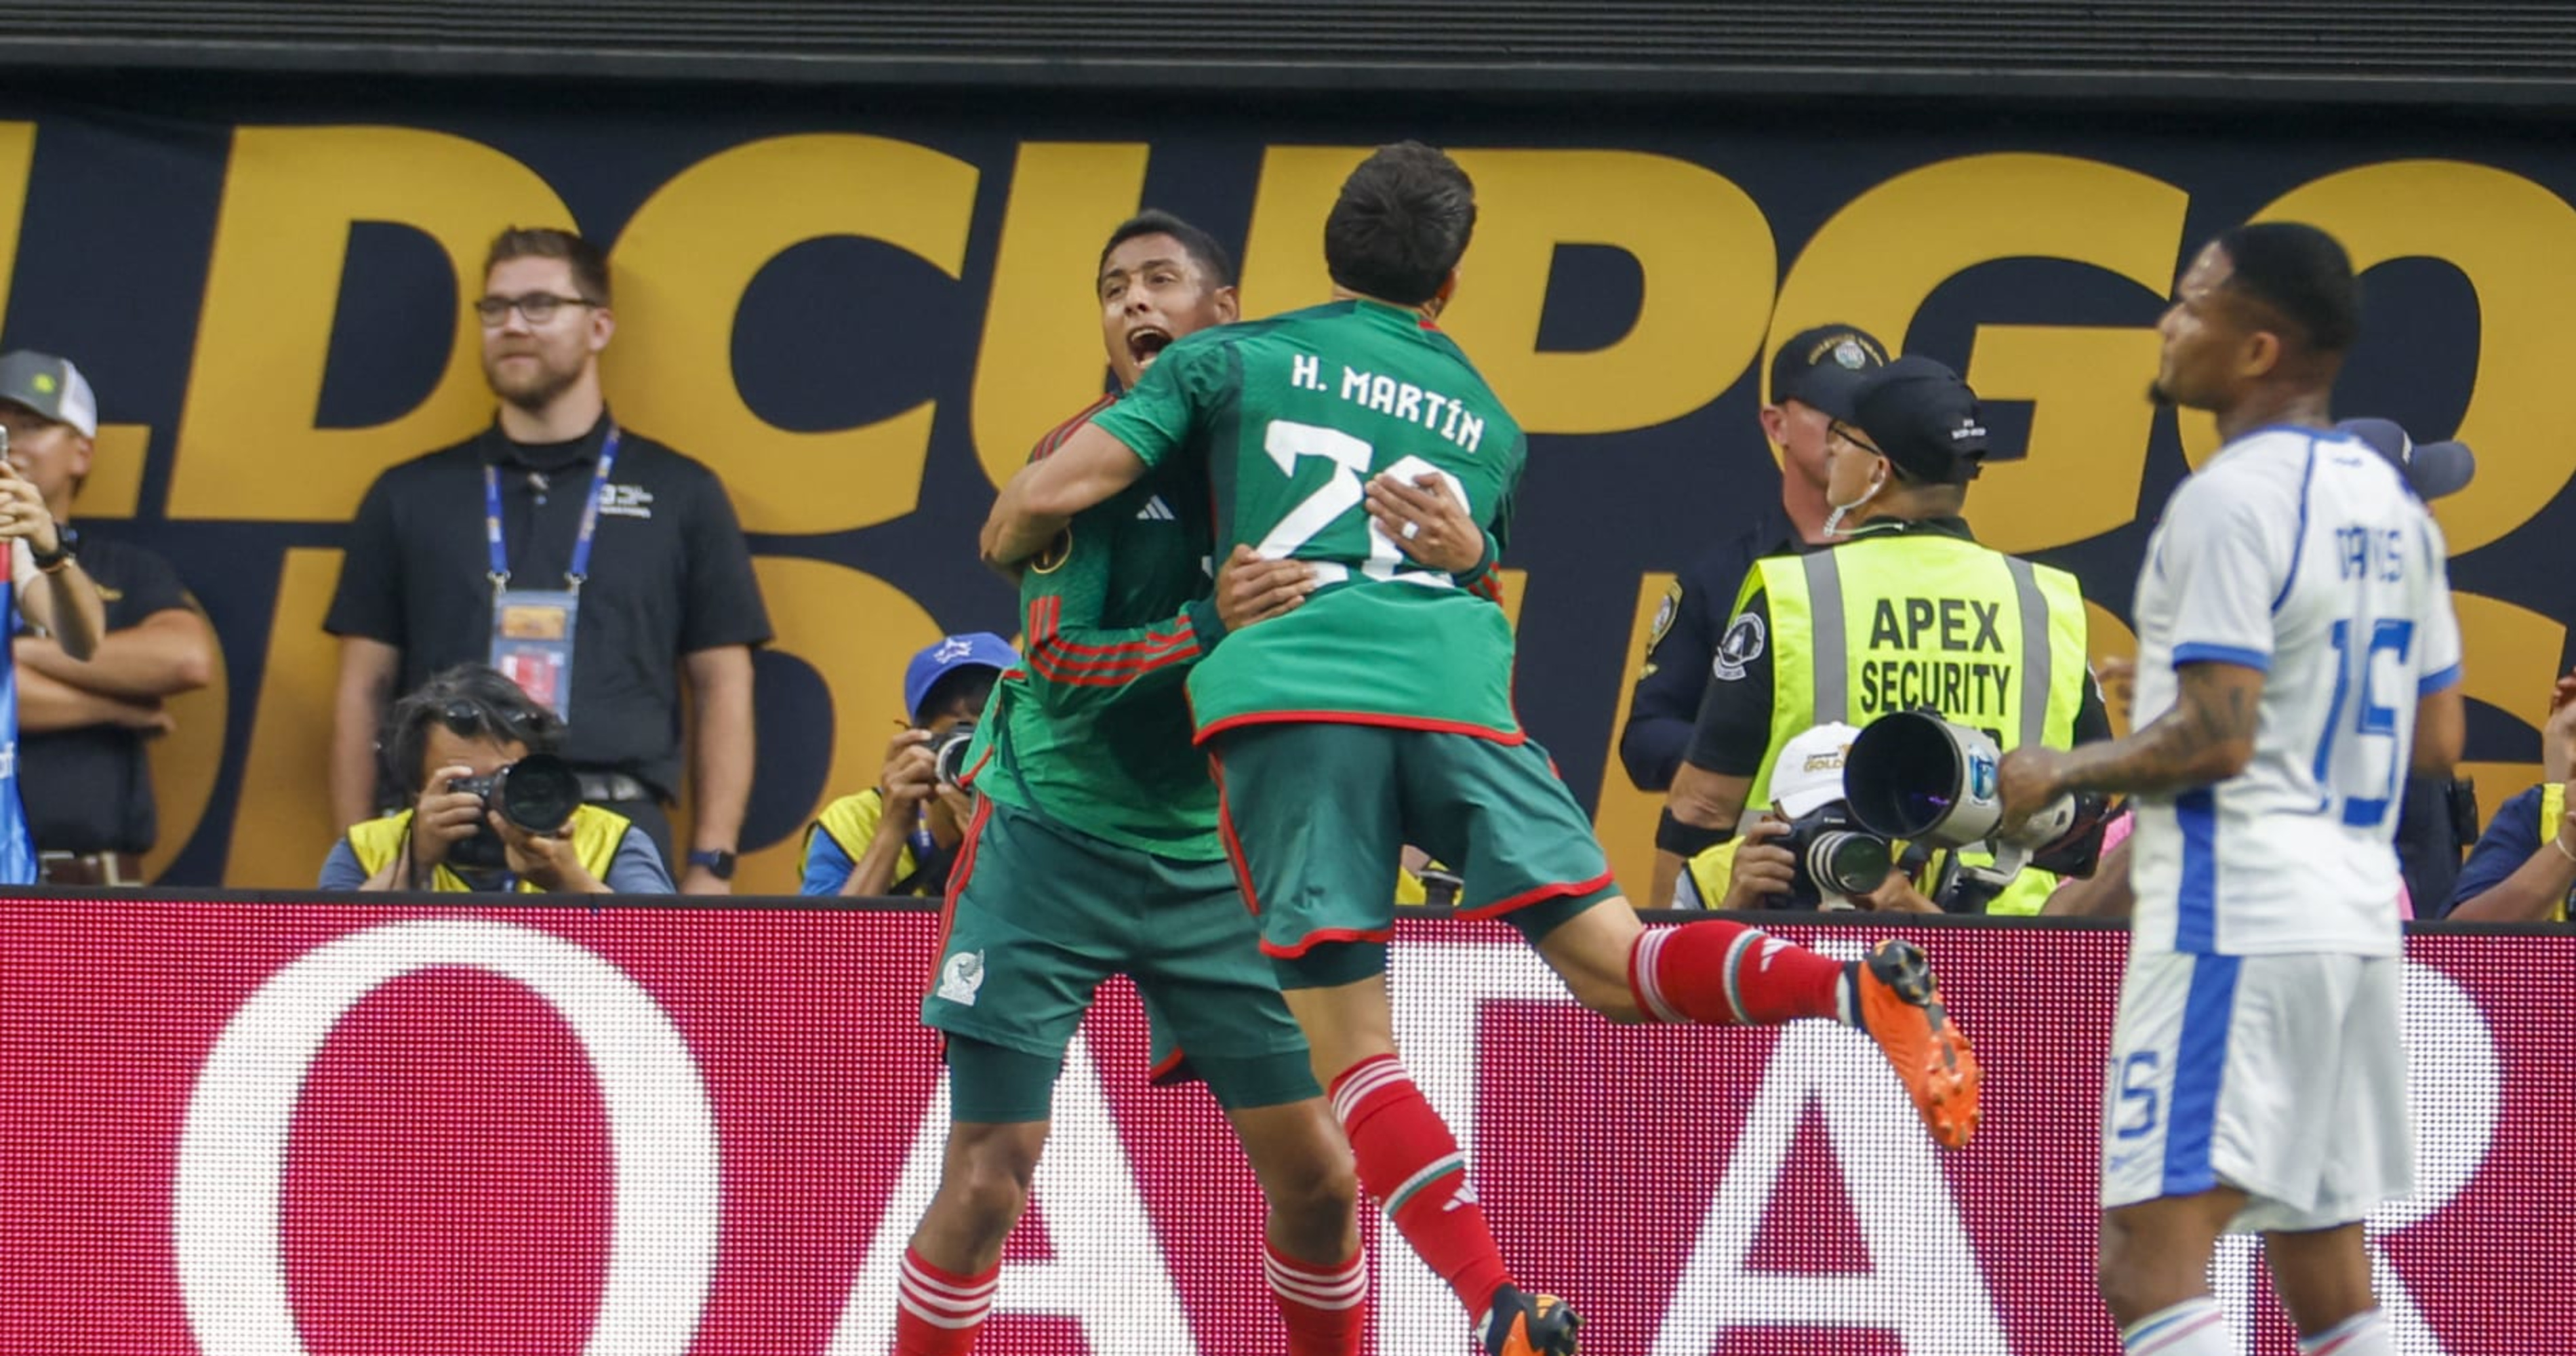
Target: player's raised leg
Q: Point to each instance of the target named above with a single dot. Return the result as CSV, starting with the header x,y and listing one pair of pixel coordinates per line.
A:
x,y
1527,853
1717,972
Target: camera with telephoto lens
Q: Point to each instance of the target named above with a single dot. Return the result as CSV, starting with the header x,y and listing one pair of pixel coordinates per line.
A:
x,y
537,793
1916,776
948,755
1833,856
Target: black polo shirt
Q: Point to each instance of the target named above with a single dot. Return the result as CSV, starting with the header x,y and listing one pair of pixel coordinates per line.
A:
x,y
670,575
1733,731
90,789
1683,642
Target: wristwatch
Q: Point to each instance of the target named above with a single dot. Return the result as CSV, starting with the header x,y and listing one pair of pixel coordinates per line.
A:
x,y
717,861
64,549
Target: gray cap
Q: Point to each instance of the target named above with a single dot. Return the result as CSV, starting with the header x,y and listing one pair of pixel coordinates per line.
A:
x,y
2434,469
50,386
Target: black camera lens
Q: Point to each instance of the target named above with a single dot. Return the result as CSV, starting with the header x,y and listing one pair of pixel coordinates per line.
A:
x,y
1845,863
537,793
948,754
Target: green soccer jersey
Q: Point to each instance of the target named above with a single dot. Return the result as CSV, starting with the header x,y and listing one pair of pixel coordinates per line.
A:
x,y
1093,728
1291,416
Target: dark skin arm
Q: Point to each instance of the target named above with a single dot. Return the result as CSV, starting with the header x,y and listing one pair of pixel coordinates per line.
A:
x,y
2207,737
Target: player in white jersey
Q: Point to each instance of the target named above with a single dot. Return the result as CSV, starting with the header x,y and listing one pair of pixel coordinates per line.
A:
x,y
2297,655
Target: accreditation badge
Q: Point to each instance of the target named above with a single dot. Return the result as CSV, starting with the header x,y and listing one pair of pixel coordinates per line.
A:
x,y
532,631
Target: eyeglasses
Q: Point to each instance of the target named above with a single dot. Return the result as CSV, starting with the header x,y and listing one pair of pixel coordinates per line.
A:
x,y
536,307
1851,435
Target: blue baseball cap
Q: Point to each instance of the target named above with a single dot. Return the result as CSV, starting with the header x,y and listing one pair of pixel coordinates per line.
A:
x,y
975,649
2434,469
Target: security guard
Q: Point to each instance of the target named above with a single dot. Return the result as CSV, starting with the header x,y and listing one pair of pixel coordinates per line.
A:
x,y
1699,604
1905,611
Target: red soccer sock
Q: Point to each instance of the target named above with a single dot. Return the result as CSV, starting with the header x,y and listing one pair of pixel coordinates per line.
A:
x,y
938,1313
1720,973
1410,1163
1323,1310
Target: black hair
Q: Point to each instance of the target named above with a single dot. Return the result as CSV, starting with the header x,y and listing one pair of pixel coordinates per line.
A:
x,y
1400,224
963,690
1215,265
471,700
589,265
2303,274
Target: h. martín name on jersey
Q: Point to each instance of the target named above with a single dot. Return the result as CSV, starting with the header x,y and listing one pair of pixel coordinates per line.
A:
x,y
1446,416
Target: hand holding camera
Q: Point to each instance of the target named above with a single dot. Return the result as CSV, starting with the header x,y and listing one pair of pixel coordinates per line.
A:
x,y
444,816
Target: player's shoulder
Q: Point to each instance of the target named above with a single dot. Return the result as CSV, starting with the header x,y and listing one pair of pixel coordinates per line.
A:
x,y
1055,437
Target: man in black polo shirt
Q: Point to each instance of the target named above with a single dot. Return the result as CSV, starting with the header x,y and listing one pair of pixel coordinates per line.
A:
x,y
1698,606
492,551
88,787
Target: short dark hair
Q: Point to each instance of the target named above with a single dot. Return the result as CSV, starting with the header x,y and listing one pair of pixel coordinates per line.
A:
x,y
964,690
1400,224
589,266
471,700
2303,274
1214,263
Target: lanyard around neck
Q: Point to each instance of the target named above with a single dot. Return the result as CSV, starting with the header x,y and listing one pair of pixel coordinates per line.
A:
x,y
580,569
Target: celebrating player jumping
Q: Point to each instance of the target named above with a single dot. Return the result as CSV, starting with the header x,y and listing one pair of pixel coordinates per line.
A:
x,y
1094,851
1357,437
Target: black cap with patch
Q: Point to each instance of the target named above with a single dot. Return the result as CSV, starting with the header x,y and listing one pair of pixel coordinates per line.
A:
x,y
1823,366
1923,419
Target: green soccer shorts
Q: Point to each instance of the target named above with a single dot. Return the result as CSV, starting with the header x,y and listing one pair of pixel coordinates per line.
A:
x,y
1038,915
1317,814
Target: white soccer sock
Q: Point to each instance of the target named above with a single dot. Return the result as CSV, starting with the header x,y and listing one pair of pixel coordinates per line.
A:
x,y
2194,1327
2364,1334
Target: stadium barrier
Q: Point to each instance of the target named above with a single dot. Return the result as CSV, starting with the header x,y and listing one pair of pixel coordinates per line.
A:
x,y
306,1124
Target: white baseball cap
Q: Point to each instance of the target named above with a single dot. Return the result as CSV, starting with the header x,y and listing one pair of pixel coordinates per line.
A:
x,y
1808,774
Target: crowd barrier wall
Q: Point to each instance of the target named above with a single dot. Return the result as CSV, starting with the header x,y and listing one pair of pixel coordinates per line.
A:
x,y
262,1126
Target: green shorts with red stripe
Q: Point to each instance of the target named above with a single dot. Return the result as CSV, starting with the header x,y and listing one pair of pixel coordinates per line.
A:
x,y
1039,914
1317,815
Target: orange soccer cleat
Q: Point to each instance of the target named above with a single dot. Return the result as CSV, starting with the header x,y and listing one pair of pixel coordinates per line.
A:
x,y
1900,1008
1529,1325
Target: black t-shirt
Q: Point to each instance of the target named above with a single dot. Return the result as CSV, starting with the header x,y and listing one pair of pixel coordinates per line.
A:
x,y
1684,642
669,575
1733,731
90,789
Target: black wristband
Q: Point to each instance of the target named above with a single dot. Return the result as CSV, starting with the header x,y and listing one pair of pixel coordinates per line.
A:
x,y
1687,840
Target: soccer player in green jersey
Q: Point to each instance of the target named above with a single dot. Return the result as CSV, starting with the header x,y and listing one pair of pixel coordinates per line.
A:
x,y
1093,850
1357,437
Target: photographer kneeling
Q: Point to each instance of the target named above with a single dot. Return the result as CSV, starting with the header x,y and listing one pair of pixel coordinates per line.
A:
x,y
1808,851
496,809
900,836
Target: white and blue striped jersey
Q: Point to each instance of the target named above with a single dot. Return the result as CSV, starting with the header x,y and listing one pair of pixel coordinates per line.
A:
x,y
2300,552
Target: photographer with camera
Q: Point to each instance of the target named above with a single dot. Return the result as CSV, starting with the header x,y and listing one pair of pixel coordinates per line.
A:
x,y
1808,851
497,809
900,836
1905,611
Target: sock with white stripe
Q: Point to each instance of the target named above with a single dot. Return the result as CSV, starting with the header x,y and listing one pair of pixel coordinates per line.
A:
x,y
938,1312
1722,973
2194,1327
1411,1165
2364,1334
1324,1309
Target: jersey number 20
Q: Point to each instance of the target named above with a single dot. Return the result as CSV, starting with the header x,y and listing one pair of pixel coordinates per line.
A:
x,y
1286,441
